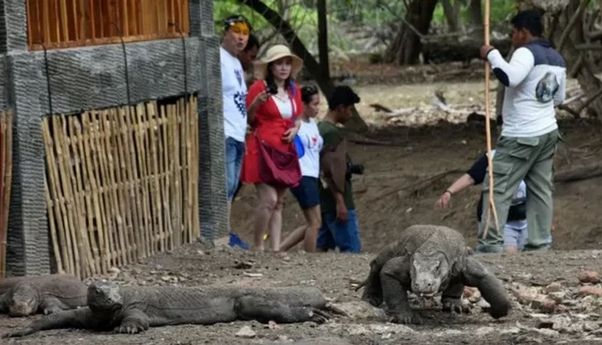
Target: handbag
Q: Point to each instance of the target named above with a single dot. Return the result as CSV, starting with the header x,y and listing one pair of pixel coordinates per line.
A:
x,y
278,168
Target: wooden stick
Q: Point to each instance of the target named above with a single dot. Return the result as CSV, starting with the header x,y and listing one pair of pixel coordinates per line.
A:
x,y
124,212
59,183
196,228
173,172
7,168
153,178
104,238
128,133
59,199
78,200
488,126
110,185
165,181
136,179
86,224
143,173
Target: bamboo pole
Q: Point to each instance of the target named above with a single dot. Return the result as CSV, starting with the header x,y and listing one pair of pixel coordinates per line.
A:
x,y
7,166
77,195
141,146
87,222
67,185
104,184
130,174
153,177
104,239
111,186
177,172
62,199
165,181
136,184
120,180
64,257
488,126
196,228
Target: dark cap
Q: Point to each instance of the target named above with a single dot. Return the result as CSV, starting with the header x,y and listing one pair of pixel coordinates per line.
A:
x,y
237,18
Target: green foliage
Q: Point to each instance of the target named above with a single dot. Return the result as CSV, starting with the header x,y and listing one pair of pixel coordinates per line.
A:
x,y
301,15
501,11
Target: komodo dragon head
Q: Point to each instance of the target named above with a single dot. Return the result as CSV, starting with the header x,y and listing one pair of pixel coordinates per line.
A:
x,y
104,296
24,300
429,272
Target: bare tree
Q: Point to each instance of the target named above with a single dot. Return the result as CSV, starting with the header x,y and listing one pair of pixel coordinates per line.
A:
x,y
405,48
451,10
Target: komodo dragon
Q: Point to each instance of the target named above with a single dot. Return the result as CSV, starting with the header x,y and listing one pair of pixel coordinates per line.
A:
x,y
135,309
23,296
428,259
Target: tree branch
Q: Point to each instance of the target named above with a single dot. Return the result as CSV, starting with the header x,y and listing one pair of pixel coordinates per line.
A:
x,y
578,14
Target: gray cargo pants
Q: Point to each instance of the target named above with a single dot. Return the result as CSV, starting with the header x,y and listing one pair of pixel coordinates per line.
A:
x,y
515,159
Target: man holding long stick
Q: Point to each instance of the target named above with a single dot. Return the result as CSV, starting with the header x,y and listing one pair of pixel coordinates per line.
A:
x,y
535,81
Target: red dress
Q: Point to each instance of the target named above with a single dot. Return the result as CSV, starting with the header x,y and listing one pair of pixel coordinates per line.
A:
x,y
268,125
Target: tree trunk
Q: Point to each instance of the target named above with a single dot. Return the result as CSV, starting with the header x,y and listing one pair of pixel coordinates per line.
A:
x,y
406,46
580,62
310,64
451,15
476,13
323,40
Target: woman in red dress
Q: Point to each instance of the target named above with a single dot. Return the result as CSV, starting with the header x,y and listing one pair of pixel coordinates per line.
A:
x,y
273,106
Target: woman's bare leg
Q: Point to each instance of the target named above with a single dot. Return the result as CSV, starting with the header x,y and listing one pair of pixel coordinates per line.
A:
x,y
306,233
314,221
293,238
266,204
275,223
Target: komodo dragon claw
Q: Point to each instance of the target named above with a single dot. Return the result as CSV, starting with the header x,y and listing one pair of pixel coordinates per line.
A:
x,y
319,316
454,306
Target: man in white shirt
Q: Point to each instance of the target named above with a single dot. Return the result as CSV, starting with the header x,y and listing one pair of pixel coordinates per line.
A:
x,y
234,92
535,80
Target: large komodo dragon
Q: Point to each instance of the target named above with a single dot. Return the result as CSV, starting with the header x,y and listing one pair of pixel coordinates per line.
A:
x,y
23,296
428,259
134,309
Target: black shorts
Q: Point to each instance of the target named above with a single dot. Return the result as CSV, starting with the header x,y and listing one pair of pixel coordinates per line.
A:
x,y
307,192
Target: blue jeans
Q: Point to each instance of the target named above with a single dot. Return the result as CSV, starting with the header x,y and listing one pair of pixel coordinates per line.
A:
x,y
344,235
234,154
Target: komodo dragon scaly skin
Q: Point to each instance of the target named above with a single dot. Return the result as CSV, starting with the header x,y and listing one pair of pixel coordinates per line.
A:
x,y
23,296
135,309
425,260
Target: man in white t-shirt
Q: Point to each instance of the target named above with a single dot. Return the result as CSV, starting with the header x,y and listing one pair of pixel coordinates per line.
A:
x,y
234,92
534,80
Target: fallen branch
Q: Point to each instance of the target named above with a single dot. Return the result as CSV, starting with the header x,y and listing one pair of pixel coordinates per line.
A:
x,y
579,173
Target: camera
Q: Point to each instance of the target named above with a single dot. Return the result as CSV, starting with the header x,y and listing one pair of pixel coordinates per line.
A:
x,y
272,89
354,169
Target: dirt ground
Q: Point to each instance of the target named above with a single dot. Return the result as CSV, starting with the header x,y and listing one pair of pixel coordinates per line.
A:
x,y
402,180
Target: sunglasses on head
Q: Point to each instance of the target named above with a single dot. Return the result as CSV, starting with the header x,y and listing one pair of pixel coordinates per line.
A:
x,y
240,28
238,25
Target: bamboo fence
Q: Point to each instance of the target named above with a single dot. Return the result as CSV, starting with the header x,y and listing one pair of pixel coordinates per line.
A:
x,y
6,142
73,23
121,184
